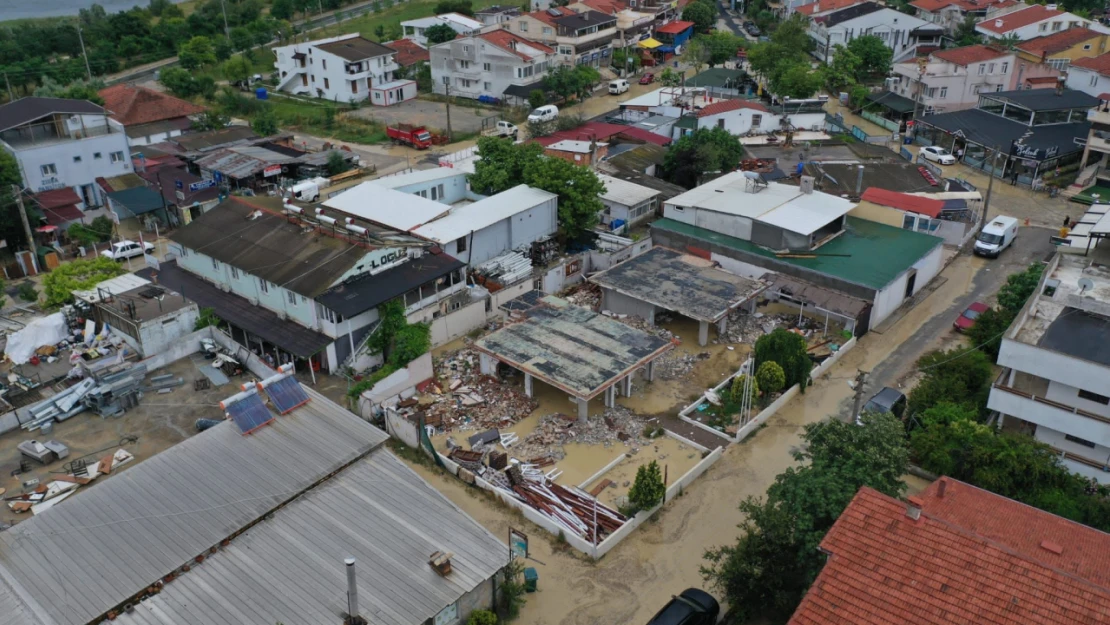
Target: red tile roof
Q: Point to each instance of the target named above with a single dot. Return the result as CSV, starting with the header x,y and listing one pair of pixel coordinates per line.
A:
x,y
964,5
408,52
602,132
504,39
1057,42
132,105
548,19
62,215
821,6
608,7
674,28
903,201
885,567
1019,18
1100,63
970,54
724,106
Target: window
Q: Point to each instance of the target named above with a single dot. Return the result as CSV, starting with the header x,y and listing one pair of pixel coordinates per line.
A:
x,y
446,80
990,68
1043,27
265,286
116,157
943,92
1079,441
485,67
215,264
354,86
292,297
460,244
982,68
448,615
440,191
234,273
1006,67
524,27
1056,26
908,222
96,155
487,86
1095,397
757,119
1094,80
1086,46
324,62
464,64
720,123
998,88
976,89
435,193
49,169
327,84
547,30
76,159
466,49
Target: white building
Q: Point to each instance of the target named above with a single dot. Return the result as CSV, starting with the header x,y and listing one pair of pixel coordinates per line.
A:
x,y
900,32
1090,75
1032,21
951,80
489,63
342,69
64,143
463,25
494,15
950,14
1056,381
741,117
627,202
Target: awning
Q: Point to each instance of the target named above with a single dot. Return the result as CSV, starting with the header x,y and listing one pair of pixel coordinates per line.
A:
x,y
523,91
62,215
650,43
665,49
368,292
139,201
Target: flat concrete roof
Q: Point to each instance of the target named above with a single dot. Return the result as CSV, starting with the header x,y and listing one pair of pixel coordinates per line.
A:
x,y
685,284
572,348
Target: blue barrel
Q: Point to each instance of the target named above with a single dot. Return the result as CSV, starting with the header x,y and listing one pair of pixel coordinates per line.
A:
x,y
261,94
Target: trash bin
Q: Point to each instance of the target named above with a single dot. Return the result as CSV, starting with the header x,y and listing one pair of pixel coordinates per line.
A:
x,y
531,579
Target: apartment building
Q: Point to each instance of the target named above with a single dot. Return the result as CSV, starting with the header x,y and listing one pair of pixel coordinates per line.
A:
x,y
1095,166
632,25
148,116
950,14
1056,378
496,14
579,38
903,34
1091,75
415,29
488,64
61,143
1058,50
1032,21
349,68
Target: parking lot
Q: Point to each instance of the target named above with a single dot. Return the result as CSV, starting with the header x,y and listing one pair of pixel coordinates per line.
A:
x,y
432,115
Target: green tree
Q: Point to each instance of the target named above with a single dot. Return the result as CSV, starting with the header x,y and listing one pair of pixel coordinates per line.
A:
x,y
210,120
77,275
1008,42
242,38
206,318
874,55
440,33
337,164
627,60
481,617
789,351
80,89
704,151
722,46
178,81
237,70
736,390
771,377
669,78
562,81
536,98
959,376
584,78
843,71
648,489
196,53
578,189
965,34
265,122
222,48
169,32
701,14
986,332
465,7
797,81
697,51
501,164
1019,286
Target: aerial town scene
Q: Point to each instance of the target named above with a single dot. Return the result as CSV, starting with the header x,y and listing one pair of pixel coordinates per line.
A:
x,y
562,312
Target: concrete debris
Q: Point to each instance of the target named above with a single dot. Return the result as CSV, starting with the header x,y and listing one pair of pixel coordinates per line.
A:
x,y
617,426
465,400
747,328
586,295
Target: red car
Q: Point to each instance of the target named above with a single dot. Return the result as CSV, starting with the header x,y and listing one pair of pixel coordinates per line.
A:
x,y
967,318
647,79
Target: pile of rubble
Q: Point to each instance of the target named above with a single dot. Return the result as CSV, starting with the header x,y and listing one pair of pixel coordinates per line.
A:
x,y
463,399
747,328
586,295
676,364
544,444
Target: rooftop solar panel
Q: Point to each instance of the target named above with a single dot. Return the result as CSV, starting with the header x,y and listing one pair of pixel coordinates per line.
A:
x,y
286,394
249,413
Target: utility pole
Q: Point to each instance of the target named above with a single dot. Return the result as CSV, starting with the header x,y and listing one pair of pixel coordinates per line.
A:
x,y
11,96
447,91
88,71
861,378
990,186
18,192
227,31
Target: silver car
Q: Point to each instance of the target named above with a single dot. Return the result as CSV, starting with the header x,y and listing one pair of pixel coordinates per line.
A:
x,y
938,155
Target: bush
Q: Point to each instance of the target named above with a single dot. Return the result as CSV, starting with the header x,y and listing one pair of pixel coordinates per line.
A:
x,y
369,381
736,391
510,596
770,377
27,291
481,617
789,351
648,489
77,275
206,318
536,98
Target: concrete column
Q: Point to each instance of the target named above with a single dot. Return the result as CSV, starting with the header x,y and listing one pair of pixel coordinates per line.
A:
x,y
608,395
1001,417
528,384
1010,380
628,386
651,371
487,364
722,327
583,408
703,333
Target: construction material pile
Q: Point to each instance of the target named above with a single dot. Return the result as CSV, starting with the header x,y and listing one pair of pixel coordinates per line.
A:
x,y
463,399
570,508
586,295
544,444
747,328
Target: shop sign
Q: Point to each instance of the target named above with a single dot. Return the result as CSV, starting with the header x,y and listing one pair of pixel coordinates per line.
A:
x,y
271,170
1035,154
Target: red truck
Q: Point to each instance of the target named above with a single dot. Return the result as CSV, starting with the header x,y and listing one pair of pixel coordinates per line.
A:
x,y
416,136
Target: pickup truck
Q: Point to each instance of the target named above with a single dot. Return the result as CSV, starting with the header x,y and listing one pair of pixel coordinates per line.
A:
x,y
407,134
503,129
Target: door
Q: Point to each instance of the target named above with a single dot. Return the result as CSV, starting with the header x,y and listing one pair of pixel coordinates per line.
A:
x,y
910,281
88,196
304,80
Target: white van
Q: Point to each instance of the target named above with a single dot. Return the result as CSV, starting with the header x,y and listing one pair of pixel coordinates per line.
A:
x,y
544,113
617,87
996,236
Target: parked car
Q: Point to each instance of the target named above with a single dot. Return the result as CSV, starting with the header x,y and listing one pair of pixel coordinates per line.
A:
x,y
618,86
938,155
544,113
996,236
647,79
751,29
967,318
887,400
692,607
127,249
503,129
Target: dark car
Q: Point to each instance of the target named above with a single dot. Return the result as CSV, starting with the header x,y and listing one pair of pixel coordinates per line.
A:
x,y
647,79
751,29
692,607
967,318
887,400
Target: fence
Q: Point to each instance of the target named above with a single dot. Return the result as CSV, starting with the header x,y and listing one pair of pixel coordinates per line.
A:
x,y
880,121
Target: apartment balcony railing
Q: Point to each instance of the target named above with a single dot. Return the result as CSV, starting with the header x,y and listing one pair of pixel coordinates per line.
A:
x,y
35,135
1048,402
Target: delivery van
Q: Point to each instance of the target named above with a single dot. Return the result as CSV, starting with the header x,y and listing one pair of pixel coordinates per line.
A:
x,y
545,113
996,236
617,87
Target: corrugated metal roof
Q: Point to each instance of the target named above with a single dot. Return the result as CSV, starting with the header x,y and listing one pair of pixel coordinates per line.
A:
x,y
115,538
418,176
290,569
484,213
625,192
388,207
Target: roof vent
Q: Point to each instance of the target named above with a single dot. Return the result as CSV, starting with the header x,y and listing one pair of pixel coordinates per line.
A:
x,y
998,23
441,562
913,508
1048,545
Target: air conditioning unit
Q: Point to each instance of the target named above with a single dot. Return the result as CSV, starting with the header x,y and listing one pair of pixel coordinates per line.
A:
x,y
253,301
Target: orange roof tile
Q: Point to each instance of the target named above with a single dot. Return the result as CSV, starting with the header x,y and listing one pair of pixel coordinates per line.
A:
x,y
1100,63
504,39
970,54
132,105
822,6
546,18
903,201
971,557
724,106
674,28
408,52
1057,42
964,5
1022,17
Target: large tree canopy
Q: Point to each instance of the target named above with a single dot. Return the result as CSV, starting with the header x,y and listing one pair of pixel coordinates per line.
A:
x,y
702,152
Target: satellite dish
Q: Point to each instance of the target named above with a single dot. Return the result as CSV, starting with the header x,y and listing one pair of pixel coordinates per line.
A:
x,y
1086,284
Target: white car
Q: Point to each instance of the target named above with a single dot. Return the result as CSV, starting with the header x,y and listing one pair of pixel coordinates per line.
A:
x,y
127,249
938,155
544,113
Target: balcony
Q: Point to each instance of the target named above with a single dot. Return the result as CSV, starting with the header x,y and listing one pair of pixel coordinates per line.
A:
x,y
1100,115
1025,400
59,131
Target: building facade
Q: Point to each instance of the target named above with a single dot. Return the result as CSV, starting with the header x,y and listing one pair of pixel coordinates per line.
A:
x,y
349,68
951,80
1090,75
461,24
488,64
64,143
902,33
1060,49
1032,21
583,38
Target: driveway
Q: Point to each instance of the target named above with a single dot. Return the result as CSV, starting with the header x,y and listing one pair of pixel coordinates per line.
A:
x,y
433,115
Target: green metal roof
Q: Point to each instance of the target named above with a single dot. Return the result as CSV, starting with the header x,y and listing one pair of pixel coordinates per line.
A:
x,y
717,77
689,122
874,254
139,200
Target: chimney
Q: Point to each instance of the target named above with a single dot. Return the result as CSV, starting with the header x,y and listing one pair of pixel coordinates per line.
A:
x,y
913,508
353,617
942,486
859,181
441,562
998,23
